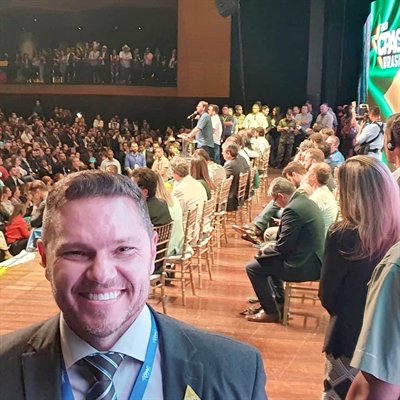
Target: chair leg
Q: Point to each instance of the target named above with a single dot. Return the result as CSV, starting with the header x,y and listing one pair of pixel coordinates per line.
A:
x,y
218,231
209,263
286,305
199,268
183,284
224,228
191,277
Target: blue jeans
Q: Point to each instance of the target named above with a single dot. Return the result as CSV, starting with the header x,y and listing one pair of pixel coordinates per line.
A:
x,y
217,151
209,150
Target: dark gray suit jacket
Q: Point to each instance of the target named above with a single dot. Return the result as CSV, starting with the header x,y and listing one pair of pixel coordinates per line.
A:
x,y
214,366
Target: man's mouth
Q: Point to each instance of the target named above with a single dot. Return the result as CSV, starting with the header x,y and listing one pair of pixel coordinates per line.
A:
x,y
102,296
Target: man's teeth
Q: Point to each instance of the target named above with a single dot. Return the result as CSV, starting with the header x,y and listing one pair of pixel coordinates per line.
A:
x,y
103,296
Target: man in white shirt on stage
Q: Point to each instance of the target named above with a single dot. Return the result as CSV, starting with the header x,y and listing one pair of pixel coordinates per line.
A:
x,y
213,110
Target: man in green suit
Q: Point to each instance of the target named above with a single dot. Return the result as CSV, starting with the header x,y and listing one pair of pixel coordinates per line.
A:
x,y
296,255
98,249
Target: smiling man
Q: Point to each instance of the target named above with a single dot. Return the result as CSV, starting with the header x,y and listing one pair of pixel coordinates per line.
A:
x,y
98,251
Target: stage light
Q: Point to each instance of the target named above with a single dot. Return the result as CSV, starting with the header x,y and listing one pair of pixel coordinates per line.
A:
x,y
79,114
34,19
140,28
116,27
79,28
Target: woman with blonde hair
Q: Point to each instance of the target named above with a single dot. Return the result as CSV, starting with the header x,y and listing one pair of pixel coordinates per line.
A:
x,y
199,171
369,200
175,210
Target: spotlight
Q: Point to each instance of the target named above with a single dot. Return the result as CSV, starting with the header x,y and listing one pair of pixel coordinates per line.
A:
x,y
140,28
79,28
34,19
79,114
116,27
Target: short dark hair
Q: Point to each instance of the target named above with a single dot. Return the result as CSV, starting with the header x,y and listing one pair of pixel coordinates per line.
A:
x,y
90,184
292,167
232,148
375,111
215,108
322,171
316,154
316,137
326,149
238,106
146,179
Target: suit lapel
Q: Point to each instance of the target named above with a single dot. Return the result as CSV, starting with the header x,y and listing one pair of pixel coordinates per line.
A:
x,y
41,365
178,370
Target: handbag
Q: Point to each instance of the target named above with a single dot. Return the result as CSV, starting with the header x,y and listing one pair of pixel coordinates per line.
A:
x,y
364,148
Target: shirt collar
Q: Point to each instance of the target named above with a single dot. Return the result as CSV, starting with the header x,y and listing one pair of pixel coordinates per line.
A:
x,y
132,343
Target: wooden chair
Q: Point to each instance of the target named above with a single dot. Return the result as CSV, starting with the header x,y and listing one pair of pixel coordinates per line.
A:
x,y
264,184
157,281
203,248
243,180
221,213
248,203
303,291
181,264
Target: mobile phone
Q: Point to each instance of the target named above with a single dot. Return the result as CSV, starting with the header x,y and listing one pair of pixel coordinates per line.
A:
x,y
92,160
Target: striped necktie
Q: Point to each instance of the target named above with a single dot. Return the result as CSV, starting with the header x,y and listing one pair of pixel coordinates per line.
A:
x,y
103,367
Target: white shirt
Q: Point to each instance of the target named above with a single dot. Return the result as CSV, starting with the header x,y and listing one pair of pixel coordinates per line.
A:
x,y
261,143
326,202
369,133
105,163
98,123
133,344
217,128
255,121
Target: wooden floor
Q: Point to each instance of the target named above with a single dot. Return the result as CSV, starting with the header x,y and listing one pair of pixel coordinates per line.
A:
x,y
292,355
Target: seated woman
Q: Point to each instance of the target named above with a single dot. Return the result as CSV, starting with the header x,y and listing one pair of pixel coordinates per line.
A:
x,y
16,194
17,232
177,234
199,171
354,247
5,200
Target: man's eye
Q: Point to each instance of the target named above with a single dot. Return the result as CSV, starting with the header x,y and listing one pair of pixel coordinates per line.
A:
x,y
124,249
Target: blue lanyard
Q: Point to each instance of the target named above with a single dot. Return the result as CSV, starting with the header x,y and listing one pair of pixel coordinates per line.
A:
x,y
142,379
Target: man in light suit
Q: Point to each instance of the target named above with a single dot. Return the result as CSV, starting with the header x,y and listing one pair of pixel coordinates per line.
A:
x,y
106,336
187,190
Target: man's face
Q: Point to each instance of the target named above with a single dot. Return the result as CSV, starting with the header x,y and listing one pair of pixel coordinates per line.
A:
x,y
331,143
14,171
200,108
110,155
99,271
225,111
289,117
227,155
141,148
308,161
239,110
311,177
296,110
134,147
265,111
255,109
304,110
63,157
210,110
323,109
159,153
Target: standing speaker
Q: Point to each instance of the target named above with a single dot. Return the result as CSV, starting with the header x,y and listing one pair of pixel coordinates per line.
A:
x,y
227,7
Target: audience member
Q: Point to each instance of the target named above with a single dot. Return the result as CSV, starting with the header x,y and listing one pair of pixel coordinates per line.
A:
x,y
377,354
199,171
326,149
187,190
216,122
215,171
110,161
255,119
354,247
161,164
234,166
286,128
336,155
324,119
147,180
39,192
17,232
295,256
175,246
318,177
6,203
134,159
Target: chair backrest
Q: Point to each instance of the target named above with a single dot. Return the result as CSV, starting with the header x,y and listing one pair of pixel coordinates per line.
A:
x,y
243,179
223,194
163,238
191,232
266,155
252,177
207,218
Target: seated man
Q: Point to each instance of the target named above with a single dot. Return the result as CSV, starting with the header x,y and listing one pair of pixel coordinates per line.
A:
x,y
296,255
318,178
187,190
377,354
147,181
336,155
39,193
262,229
312,156
326,149
235,165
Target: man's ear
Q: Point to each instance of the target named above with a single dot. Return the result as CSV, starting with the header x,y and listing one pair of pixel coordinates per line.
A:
x,y
153,251
43,257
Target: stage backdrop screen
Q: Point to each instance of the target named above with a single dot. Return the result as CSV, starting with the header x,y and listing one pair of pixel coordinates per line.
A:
x,y
384,56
